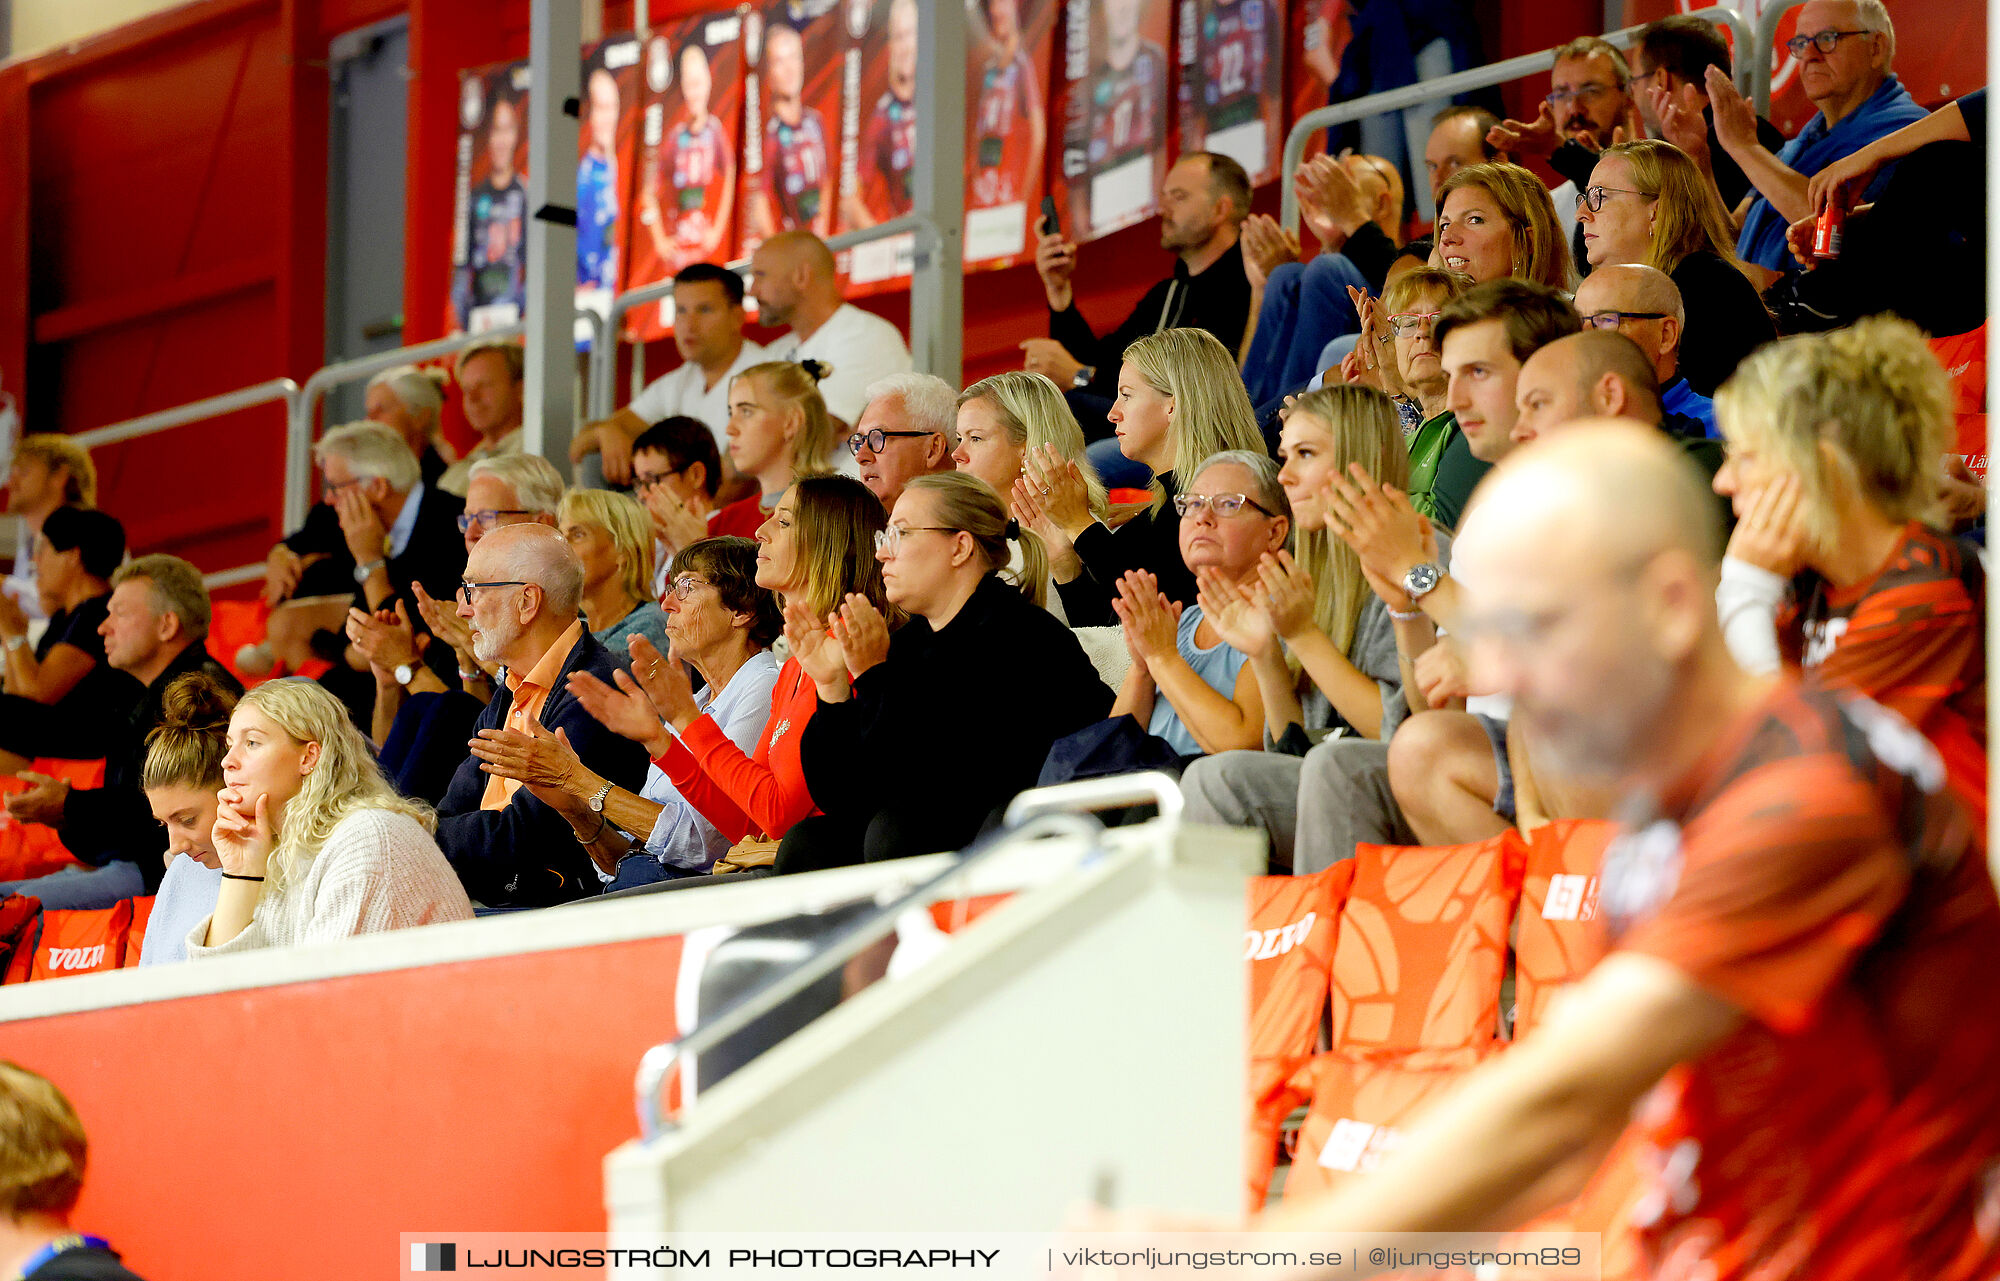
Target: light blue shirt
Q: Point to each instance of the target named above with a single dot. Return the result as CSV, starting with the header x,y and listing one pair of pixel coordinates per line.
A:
x,y
187,895
681,838
406,522
1218,666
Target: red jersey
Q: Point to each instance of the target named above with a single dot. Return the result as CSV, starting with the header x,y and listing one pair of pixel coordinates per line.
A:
x,y
888,157
795,167
1232,51
1964,359
693,166
1127,109
741,519
1814,871
1912,638
1008,102
763,793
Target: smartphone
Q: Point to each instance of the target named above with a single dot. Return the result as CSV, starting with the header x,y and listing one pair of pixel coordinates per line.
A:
x,y
1051,225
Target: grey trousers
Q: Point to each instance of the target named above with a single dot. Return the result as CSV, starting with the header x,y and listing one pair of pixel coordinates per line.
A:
x,y
1315,807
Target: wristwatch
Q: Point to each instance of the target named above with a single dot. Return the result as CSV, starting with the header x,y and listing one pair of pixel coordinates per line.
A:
x,y
1421,579
597,802
17,642
1083,377
361,572
404,674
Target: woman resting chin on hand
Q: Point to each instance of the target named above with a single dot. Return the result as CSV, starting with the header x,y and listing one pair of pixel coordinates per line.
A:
x,y
314,843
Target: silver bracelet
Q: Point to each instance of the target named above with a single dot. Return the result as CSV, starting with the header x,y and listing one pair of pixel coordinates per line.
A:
x,y
1399,616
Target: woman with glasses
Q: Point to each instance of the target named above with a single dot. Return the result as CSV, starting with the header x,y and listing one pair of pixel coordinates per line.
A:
x,y
1442,470
1496,220
1013,429
1189,685
613,540
816,551
722,623
1180,400
778,431
1648,203
921,738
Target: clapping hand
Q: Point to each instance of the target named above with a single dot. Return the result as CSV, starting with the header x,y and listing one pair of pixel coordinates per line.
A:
x,y
1285,594
664,680
542,762
1266,247
1231,610
1518,138
1151,621
1061,494
673,523
385,638
1378,522
862,633
626,711
1330,201
817,651
1735,118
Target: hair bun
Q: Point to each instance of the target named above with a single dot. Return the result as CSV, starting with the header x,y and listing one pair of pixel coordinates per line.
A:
x,y
1013,531
196,701
818,370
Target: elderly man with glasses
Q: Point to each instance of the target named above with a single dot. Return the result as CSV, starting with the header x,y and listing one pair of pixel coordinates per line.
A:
x,y
908,429
1844,49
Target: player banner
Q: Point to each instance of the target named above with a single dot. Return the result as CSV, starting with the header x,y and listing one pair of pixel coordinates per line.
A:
x,y
791,119
1231,68
1320,32
693,125
489,253
606,142
1114,114
878,133
1006,130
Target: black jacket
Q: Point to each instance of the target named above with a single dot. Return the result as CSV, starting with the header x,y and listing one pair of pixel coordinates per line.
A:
x,y
320,535
1726,320
104,824
434,556
525,855
956,721
1217,300
1150,540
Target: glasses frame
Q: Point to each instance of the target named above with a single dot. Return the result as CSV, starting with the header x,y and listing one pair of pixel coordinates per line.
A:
x,y
682,587
642,483
1188,504
329,488
1416,319
1559,98
1825,41
1619,317
485,516
1592,198
465,587
877,439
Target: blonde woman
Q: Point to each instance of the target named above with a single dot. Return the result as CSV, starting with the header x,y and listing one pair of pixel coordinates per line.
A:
x,y
779,430
315,845
1341,664
612,537
1648,203
1496,220
1841,563
1005,420
1180,400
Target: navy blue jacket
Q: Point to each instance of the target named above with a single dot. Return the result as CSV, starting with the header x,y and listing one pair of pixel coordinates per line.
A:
x,y
525,855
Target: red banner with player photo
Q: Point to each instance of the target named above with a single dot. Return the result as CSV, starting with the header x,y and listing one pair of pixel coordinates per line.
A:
x,y
691,137
878,137
791,119
1231,69
1319,34
489,253
1114,114
1008,48
607,142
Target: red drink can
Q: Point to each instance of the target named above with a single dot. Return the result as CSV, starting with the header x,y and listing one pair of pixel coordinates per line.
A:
x,y
1827,231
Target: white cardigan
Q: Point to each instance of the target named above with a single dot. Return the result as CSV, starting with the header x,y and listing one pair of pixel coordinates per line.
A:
x,y
378,870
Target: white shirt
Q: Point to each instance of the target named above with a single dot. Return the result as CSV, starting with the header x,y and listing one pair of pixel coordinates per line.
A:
x,y
681,838
20,585
685,391
405,523
861,347
1566,199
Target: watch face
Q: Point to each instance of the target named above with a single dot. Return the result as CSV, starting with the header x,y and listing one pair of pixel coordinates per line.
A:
x,y
1420,579
404,674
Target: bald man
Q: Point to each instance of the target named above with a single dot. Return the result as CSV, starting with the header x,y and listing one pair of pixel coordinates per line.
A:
x,y
522,591
797,288
1644,304
1802,928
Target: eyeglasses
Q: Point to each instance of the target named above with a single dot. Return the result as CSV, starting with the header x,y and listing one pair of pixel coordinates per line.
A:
x,y
465,588
889,542
1405,323
1593,197
488,517
1561,98
684,586
1222,504
1639,77
647,479
1613,319
1824,41
330,489
875,438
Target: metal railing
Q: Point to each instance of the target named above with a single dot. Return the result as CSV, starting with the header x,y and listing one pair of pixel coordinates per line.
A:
x,y
1765,47
603,369
1486,77
1052,811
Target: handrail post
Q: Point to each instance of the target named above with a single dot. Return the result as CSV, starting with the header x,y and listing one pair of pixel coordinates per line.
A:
x,y
1765,48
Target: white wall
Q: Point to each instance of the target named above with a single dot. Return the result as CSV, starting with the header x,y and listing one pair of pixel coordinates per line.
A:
x,y
41,25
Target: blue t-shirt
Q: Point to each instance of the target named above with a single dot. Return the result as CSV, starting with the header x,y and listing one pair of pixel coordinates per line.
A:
x,y
187,893
596,212
1219,665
